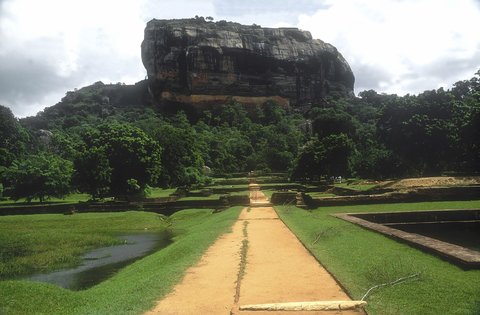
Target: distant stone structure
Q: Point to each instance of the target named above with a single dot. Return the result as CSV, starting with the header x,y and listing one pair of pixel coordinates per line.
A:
x,y
202,63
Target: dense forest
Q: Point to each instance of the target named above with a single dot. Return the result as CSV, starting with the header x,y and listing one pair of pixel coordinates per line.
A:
x,y
103,140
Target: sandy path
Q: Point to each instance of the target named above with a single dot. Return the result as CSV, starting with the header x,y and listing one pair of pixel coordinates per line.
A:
x,y
208,287
278,269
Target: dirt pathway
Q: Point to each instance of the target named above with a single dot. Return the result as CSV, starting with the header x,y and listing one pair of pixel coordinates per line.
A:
x,y
208,287
261,261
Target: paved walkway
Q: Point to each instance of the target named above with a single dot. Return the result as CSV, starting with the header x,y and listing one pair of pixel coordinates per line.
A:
x,y
259,262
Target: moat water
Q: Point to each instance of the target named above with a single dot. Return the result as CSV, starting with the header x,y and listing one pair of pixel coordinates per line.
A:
x,y
102,263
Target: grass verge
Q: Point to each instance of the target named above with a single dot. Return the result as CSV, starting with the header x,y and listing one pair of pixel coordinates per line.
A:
x,y
135,288
360,259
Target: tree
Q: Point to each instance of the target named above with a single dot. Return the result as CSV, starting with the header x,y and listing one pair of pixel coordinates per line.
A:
x,y
233,114
228,149
420,130
180,155
274,148
377,162
332,121
126,158
93,172
307,165
39,177
271,113
337,150
329,156
13,137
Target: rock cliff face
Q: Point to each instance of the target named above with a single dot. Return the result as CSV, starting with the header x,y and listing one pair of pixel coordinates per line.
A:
x,y
198,62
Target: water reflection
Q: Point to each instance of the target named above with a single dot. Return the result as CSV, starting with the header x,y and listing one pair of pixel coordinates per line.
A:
x,y
100,264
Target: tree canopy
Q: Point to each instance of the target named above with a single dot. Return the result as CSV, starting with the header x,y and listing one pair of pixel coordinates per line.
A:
x,y
118,159
120,144
39,177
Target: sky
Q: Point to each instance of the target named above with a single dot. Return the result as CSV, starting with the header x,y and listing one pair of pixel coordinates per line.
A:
x,y
49,47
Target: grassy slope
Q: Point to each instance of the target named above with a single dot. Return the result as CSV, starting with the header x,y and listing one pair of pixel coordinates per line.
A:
x,y
135,288
360,259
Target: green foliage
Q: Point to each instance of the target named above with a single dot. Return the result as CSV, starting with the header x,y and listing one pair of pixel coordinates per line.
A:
x,y
13,137
420,130
329,156
388,136
38,177
182,161
93,172
117,158
265,137
329,121
65,145
377,162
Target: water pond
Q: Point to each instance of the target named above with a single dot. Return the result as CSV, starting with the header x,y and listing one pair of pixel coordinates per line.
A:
x,y
466,234
102,263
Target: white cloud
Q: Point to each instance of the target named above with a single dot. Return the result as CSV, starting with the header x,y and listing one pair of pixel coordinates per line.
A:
x,y
400,46
403,39
77,42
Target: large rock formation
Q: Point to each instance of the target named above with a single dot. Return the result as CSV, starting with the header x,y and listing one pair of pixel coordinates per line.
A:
x,y
199,62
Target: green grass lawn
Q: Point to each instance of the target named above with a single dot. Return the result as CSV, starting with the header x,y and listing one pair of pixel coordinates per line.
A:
x,y
360,259
160,192
135,288
72,198
246,192
316,194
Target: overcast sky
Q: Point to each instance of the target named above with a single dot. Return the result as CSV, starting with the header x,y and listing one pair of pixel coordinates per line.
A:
x,y
48,47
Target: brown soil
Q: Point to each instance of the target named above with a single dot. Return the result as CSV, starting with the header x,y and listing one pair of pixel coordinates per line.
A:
x,y
278,269
432,182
